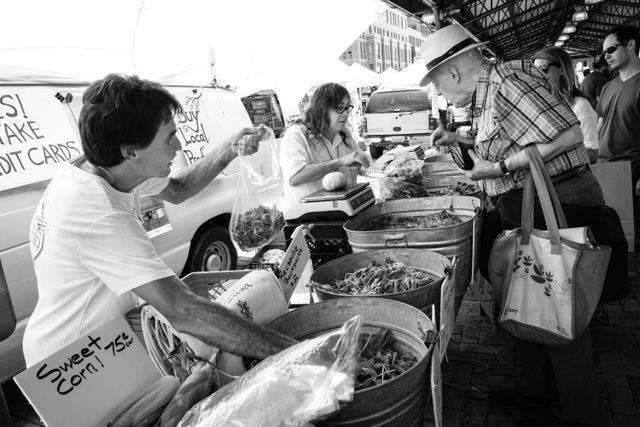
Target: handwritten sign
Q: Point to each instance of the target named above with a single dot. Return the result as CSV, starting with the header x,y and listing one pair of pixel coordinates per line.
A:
x,y
436,387
35,136
190,128
483,290
38,133
294,262
447,315
90,381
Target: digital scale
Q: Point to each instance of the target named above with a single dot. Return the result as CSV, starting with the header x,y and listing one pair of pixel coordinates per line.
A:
x,y
339,204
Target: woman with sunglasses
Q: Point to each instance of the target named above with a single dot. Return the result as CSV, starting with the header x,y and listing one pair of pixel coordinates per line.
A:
x,y
557,65
320,143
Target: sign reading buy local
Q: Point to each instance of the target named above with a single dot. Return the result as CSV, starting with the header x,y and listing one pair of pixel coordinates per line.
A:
x,y
35,136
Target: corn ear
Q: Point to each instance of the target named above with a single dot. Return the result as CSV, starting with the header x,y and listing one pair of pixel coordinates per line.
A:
x,y
147,409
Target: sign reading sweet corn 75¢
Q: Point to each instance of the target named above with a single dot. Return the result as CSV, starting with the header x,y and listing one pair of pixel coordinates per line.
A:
x,y
91,380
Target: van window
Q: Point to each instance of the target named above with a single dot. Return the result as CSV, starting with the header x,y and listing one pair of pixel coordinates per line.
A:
x,y
400,101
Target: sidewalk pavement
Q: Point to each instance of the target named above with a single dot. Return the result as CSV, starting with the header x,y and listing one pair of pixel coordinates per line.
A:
x,y
483,358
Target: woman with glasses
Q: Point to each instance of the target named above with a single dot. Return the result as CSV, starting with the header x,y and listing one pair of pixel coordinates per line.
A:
x,y
557,65
320,143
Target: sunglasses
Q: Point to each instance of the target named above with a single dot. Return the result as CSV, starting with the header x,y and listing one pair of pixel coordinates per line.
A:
x,y
346,108
612,49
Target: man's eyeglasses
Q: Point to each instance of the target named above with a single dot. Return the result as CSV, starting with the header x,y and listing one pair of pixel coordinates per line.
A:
x,y
612,49
545,68
346,108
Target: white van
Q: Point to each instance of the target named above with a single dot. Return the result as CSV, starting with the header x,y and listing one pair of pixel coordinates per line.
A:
x,y
37,136
397,116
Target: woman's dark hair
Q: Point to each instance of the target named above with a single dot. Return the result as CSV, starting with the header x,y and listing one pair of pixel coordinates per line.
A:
x,y
624,33
122,111
568,87
327,96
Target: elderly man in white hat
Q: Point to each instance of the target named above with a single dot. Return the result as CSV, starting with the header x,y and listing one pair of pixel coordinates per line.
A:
x,y
513,104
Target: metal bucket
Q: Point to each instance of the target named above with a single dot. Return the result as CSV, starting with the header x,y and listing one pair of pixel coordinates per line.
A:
x,y
421,298
399,402
455,240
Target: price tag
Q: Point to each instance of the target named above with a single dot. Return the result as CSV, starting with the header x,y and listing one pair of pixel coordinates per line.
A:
x,y
483,290
91,380
436,387
293,264
447,315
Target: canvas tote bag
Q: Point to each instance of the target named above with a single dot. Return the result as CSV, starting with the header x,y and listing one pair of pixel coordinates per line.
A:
x,y
547,283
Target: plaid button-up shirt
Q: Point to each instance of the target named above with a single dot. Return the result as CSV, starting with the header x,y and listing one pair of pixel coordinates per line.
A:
x,y
515,105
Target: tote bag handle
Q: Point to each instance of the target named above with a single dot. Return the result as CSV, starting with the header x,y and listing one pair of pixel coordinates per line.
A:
x,y
549,200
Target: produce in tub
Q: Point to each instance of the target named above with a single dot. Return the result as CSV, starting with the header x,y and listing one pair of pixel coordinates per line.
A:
x,y
377,278
397,222
381,359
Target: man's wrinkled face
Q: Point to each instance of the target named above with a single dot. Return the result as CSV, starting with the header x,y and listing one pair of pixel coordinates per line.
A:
x,y
451,88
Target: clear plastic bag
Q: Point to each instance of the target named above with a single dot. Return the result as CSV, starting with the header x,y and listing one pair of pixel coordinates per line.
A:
x,y
257,217
394,189
406,170
290,388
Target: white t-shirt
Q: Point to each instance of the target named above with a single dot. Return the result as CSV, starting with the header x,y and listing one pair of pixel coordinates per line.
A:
x,y
296,153
89,251
588,119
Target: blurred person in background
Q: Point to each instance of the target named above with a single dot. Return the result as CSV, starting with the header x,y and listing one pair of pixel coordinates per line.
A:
x,y
320,143
556,64
592,84
618,108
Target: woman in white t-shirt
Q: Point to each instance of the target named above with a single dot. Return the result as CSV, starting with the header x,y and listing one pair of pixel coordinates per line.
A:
x,y
319,144
556,63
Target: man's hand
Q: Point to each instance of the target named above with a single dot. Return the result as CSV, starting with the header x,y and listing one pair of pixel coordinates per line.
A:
x,y
482,168
638,188
356,158
247,140
443,137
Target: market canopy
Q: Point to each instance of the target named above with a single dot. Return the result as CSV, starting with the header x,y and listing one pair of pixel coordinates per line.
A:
x,y
251,45
409,76
361,76
517,29
387,77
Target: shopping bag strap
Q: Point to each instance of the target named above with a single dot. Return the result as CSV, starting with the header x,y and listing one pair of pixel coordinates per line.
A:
x,y
559,211
539,177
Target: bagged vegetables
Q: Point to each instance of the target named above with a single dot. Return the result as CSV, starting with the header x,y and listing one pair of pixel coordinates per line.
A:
x,y
257,218
394,189
290,388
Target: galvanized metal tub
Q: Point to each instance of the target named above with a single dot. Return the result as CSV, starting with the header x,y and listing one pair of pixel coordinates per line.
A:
x,y
452,241
431,262
399,402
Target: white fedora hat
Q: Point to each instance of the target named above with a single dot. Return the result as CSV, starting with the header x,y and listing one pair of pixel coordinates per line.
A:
x,y
444,44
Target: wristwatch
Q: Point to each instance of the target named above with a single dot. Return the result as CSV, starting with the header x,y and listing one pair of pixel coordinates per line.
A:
x,y
503,167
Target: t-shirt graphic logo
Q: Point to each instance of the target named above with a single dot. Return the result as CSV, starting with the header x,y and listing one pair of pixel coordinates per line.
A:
x,y
38,228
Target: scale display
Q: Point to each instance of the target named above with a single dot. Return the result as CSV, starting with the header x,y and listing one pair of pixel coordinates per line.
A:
x,y
342,203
